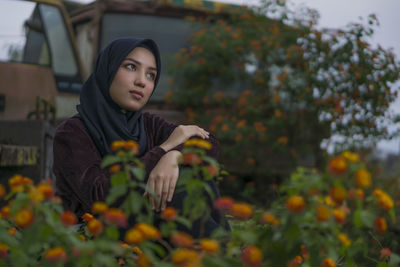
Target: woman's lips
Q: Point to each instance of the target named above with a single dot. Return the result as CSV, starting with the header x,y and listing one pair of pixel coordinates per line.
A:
x,y
136,94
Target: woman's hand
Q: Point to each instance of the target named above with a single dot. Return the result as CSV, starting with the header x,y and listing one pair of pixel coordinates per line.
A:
x,y
162,180
181,134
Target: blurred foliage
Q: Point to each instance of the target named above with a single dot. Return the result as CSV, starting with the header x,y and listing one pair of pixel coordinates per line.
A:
x,y
338,216
273,87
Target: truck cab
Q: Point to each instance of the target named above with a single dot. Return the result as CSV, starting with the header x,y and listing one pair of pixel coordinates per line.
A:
x,y
41,77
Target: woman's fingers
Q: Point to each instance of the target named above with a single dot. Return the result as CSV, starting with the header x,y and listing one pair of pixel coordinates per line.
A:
x,y
159,192
164,195
171,189
150,186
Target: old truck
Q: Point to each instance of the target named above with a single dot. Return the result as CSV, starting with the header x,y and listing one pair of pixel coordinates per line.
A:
x,y
48,48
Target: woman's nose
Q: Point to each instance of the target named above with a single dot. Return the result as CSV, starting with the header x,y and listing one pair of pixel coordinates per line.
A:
x,y
139,81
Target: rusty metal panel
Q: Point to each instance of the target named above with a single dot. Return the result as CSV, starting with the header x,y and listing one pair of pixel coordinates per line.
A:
x,y
11,155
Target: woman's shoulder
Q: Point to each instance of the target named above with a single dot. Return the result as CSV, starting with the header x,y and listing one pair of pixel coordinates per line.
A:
x,y
73,124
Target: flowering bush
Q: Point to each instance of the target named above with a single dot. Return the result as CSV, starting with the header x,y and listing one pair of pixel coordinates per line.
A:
x,y
337,217
272,85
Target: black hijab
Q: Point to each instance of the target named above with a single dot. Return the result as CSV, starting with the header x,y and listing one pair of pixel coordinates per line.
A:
x,y
104,119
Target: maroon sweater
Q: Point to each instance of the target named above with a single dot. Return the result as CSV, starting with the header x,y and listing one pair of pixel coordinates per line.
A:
x,y
79,179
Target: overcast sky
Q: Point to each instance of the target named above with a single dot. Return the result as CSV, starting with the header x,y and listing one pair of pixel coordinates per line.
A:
x,y
338,13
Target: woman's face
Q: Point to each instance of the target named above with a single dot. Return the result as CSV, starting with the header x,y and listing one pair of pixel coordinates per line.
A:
x,y
133,83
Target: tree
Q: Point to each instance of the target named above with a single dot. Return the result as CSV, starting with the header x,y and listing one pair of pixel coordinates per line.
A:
x,y
272,86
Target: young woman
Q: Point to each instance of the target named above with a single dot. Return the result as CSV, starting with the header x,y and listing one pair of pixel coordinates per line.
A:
x,y
111,103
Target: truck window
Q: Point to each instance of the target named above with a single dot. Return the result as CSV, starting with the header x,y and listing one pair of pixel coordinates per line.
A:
x,y
36,33
170,34
22,37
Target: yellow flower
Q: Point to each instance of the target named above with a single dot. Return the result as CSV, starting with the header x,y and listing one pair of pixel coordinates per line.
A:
x,y
270,218
183,256
350,156
385,201
133,236
296,203
55,254
24,218
340,216
323,213
283,140
196,142
241,211
363,178
328,262
148,231
344,239
380,225
338,165
252,255
2,191
209,245
99,207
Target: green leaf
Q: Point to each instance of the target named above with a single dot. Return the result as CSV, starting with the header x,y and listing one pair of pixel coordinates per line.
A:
x,y
115,193
183,221
357,219
138,173
247,237
367,218
109,160
394,260
21,201
112,232
119,178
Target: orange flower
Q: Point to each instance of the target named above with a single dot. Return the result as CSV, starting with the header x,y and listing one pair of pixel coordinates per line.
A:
x,y
338,194
209,245
5,211
99,207
328,262
252,256
68,218
250,161
238,137
304,252
117,145
169,214
131,146
24,218
17,183
12,231
352,157
224,203
323,213
295,262
277,98
380,225
385,201
191,159
241,124
87,217
143,261
338,165
385,253
363,178
114,168
3,250
241,211
340,216
95,227
225,127
277,113
55,254
259,127
296,203
116,216
46,190
270,218
359,193
283,140
212,170
148,231
181,239
184,256
133,236
344,239
2,191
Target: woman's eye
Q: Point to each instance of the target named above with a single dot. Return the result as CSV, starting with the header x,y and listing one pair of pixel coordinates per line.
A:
x,y
130,67
151,75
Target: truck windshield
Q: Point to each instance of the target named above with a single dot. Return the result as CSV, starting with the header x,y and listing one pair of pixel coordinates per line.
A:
x,y
36,33
169,33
